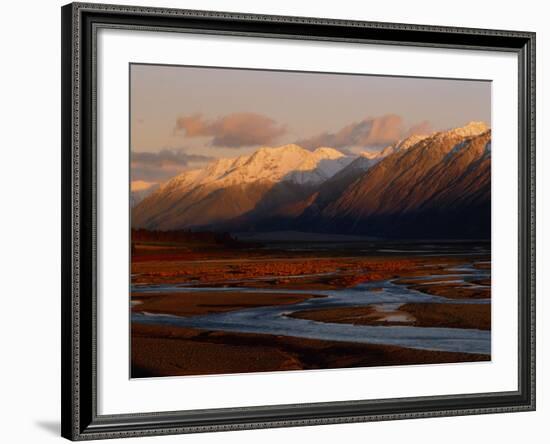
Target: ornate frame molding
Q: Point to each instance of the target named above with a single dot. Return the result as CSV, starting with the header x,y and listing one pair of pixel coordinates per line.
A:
x,y
80,22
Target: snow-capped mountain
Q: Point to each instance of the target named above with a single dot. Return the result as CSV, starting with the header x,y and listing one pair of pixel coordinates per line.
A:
x,y
228,188
290,163
402,145
422,186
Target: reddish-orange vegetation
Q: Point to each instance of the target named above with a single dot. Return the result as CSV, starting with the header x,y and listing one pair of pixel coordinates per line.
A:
x,y
167,351
284,269
220,261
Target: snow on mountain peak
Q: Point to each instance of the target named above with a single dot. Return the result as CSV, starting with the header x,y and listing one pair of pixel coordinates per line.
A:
x,y
370,154
328,153
290,163
471,129
407,142
400,145
283,150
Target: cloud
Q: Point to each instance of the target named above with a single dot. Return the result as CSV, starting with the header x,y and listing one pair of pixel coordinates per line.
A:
x,y
424,127
233,130
158,166
369,132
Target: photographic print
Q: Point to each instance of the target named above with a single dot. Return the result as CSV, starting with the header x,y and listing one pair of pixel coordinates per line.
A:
x,y
285,220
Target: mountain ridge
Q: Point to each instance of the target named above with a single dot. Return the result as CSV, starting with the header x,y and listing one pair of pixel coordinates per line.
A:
x,y
405,189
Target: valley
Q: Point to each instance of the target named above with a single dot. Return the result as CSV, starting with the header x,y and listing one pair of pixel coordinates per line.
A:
x,y
291,305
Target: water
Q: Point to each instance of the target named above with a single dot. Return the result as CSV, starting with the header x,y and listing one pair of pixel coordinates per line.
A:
x,y
385,296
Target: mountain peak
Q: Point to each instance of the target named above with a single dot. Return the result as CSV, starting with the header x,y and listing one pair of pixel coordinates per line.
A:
x,y
327,152
473,128
290,147
283,149
407,142
290,163
370,154
400,145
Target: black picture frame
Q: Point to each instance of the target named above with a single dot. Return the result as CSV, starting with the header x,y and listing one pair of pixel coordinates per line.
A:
x,y
80,420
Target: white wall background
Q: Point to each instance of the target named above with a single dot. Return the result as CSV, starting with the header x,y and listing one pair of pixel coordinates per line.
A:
x,y
30,221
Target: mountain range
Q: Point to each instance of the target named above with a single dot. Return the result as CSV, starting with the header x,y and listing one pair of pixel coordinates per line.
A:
x,y
431,186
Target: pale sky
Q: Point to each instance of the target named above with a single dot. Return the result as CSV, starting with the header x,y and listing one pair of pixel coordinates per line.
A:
x,y
182,116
